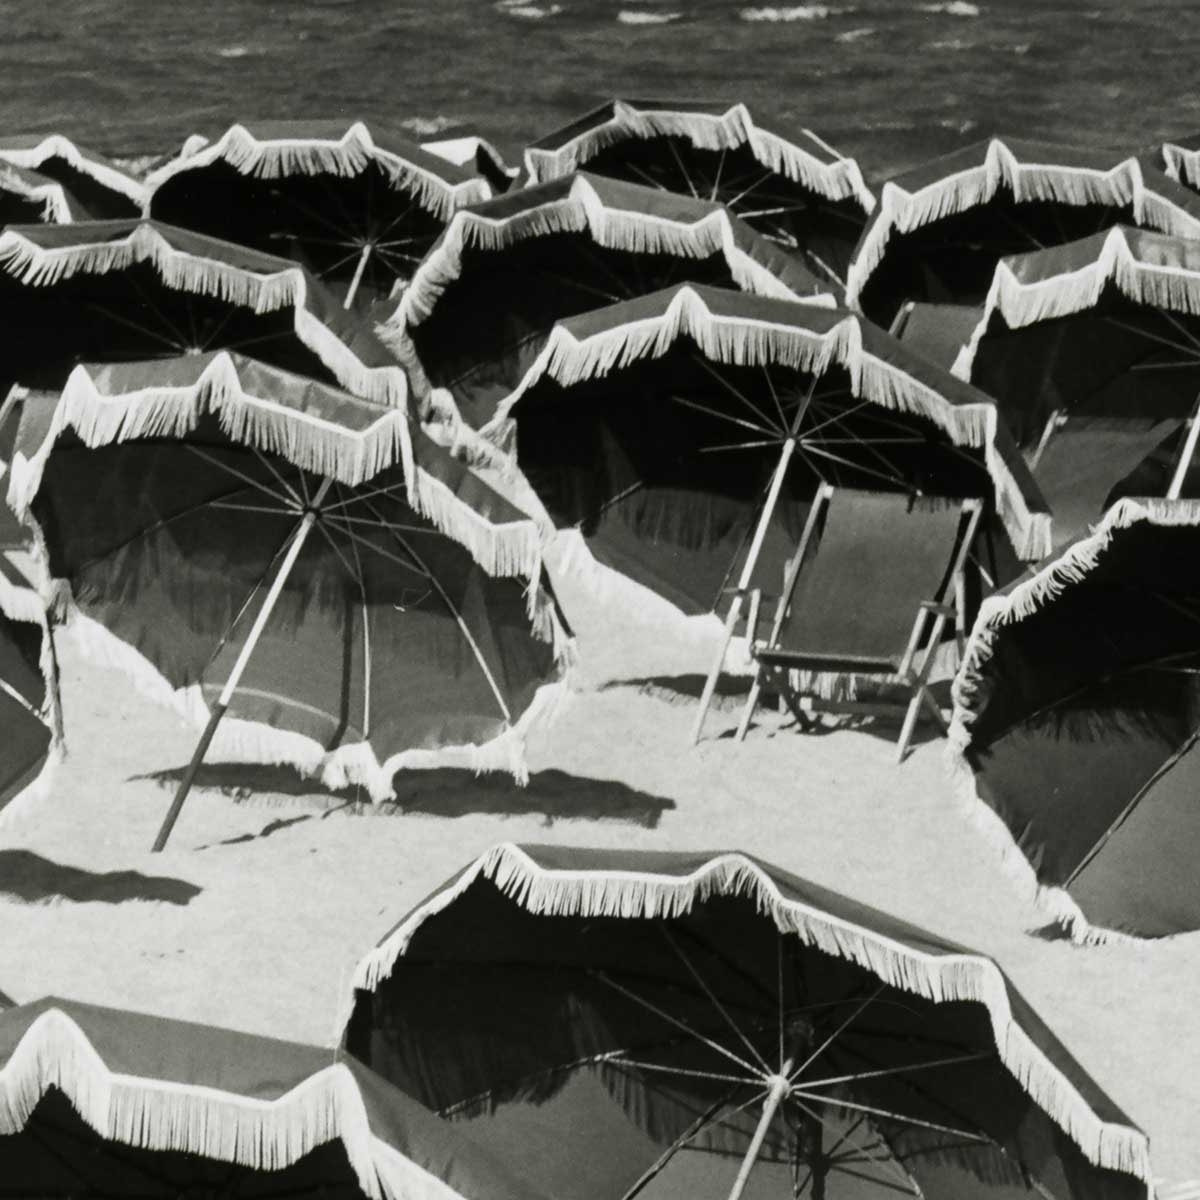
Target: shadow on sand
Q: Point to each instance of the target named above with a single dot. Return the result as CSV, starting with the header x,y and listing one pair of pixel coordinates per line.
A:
x,y
554,795
29,877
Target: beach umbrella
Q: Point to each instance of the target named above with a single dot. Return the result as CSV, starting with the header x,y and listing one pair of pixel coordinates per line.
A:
x,y
247,542
1092,351
359,207
940,229
671,1024
464,147
1180,159
798,190
27,197
481,304
1077,707
113,291
685,433
105,190
29,719
101,1102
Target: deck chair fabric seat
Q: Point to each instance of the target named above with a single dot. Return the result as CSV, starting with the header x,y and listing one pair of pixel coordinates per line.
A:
x,y
937,332
875,588
1083,459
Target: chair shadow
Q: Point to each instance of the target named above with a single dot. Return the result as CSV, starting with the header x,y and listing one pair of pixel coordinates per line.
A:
x,y
445,792
6,1001
29,877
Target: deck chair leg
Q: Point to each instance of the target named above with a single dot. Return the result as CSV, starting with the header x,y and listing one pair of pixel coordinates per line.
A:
x,y
921,691
751,705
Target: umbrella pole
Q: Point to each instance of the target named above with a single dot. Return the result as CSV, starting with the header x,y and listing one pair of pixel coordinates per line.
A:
x,y
1185,459
352,291
780,1086
735,607
222,704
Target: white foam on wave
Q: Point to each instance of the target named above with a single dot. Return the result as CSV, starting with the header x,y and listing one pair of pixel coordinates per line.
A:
x,y
854,35
955,8
527,12
235,52
951,44
796,12
428,126
639,16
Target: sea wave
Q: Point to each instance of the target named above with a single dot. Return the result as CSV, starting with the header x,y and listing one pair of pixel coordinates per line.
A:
x,y
854,35
639,16
955,8
527,12
795,12
428,126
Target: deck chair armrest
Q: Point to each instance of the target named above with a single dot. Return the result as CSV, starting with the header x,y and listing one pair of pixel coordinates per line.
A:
x,y
939,610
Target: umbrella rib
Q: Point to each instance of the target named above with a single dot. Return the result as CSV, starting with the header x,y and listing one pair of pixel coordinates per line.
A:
x,y
738,446
714,412
712,996
415,568
247,479
682,1072
900,1118
1181,329
283,483
886,1071
145,330
859,1009
252,508
455,613
705,365
676,1021
1150,337
895,480
162,316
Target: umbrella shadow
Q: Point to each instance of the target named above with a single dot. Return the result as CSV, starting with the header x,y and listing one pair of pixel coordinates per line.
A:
x,y
28,877
443,792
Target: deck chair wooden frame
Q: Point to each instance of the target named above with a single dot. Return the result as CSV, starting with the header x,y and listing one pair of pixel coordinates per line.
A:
x,y
915,678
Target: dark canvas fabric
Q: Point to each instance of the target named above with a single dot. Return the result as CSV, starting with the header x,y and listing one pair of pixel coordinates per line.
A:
x,y
97,198
320,218
1084,712
951,259
937,331
548,1034
24,737
56,1153
876,558
130,313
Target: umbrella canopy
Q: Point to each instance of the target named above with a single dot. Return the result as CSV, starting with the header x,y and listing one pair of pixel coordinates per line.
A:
x,y
113,291
464,147
104,189
27,197
1180,158
98,1102
359,207
1103,331
244,540
28,693
941,228
481,304
797,190
668,427
705,1025
1078,706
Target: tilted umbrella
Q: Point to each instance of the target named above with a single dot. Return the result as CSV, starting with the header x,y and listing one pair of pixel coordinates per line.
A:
x,y
249,542
698,1025
1180,159
113,291
27,197
105,190
29,720
1077,707
1092,351
464,147
686,432
481,304
796,189
358,206
101,1102
940,229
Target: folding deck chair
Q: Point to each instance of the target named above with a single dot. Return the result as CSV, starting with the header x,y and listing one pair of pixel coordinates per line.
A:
x,y
1080,459
875,582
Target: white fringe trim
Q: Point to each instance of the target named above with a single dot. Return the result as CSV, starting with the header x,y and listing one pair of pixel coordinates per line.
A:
x,y
156,1114
349,155
1182,165
57,146
56,208
1156,285
903,211
941,978
37,266
581,211
744,341
840,179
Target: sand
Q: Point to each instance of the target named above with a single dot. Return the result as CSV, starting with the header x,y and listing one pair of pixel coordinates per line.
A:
x,y
257,912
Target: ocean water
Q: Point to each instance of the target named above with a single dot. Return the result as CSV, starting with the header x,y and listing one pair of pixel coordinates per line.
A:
x,y
889,81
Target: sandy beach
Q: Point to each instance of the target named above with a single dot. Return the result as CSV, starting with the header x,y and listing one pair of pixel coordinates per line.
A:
x,y
270,891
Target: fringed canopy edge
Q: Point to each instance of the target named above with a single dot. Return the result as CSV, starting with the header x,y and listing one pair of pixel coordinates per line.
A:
x,y
755,341
904,211
582,210
1021,302
941,978
55,145
275,158
840,179
56,206
38,266
158,1114
1182,163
